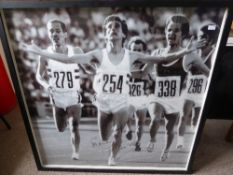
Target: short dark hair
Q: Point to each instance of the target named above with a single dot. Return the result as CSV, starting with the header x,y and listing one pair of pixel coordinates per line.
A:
x,y
137,40
180,19
211,30
117,18
63,26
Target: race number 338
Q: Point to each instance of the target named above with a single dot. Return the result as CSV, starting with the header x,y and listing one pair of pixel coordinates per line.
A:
x,y
167,87
196,84
113,83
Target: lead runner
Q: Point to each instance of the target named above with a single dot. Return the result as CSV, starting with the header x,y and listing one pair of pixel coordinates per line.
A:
x,y
112,77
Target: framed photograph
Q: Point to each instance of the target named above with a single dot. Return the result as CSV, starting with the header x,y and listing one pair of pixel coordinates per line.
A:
x,y
230,36
112,88
221,84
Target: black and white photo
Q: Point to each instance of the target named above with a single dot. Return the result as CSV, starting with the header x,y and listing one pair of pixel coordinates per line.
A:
x,y
114,88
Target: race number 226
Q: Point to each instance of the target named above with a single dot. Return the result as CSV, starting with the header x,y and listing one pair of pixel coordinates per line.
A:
x,y
136,89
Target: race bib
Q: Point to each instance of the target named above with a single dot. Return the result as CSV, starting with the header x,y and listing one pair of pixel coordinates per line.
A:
x,y
136,89
114,83
196,84
167,87
67,79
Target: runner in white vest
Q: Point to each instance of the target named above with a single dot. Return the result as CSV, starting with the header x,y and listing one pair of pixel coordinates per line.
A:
x,y
61,81
139,91
196,65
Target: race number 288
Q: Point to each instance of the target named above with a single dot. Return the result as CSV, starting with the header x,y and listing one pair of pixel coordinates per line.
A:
x,y
167,87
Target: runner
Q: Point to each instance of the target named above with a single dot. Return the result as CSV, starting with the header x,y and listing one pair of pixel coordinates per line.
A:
x,y
61,81
197,66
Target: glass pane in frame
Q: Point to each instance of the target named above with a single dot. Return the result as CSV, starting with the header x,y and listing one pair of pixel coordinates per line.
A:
x,y
140,84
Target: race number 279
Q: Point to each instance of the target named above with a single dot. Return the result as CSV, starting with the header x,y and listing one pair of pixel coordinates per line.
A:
x,y
62,78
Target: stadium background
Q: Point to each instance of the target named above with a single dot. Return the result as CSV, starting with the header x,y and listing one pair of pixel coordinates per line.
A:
x,y
85,31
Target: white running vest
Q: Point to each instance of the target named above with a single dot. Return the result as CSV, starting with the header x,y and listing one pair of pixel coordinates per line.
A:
x,y
62,76
113,79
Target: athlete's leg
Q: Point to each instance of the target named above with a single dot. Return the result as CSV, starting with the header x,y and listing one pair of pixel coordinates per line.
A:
x,y
196,116
105,125
60,118
129,132
74,114
187,110
140,118
120,119
170,124
156,113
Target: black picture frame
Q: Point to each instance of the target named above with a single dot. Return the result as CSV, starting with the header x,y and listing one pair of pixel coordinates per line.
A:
x,y
220,87
45,156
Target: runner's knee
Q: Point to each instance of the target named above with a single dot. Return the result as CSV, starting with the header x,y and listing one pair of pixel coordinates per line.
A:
x,y
104,135
117,135
156,119
140,123
74,125
61,127
170,128
170,131
184,119
156,116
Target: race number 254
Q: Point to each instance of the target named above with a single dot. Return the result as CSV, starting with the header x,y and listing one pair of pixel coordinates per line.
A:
x,y
112,83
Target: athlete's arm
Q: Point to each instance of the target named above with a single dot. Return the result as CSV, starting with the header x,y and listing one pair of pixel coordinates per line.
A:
x,y
40,73
137,74
194,60
165,58
82,58
89,69
145,70
199,64
86,68
169,57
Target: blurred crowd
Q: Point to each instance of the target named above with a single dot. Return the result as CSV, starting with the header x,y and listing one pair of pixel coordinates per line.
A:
x,y
85,31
